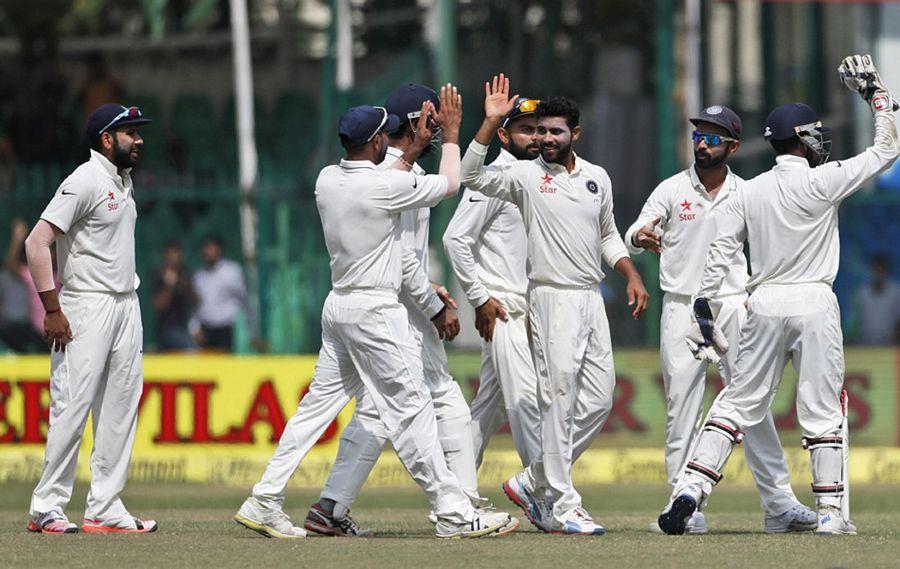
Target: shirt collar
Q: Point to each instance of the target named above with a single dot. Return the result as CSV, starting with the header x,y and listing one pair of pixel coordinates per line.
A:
x,y
791,160
397,153
356,164
729,184
505,157
559,168
107,166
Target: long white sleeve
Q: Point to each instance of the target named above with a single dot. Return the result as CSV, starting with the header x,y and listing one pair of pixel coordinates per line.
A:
x,y
611,244
657,205
471,216
493,181
415,282
729,240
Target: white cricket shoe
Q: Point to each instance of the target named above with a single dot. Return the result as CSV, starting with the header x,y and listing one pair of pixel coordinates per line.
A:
x,y
53,522
536,510
832,523
485,506
267,521
798,519
674,520
482,524
577,522
695,526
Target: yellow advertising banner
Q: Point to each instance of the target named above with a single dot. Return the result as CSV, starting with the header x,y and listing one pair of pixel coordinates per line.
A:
x,y
216,419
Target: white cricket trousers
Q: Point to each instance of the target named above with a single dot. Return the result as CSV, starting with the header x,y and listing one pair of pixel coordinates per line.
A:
x,y
364,437
367,341
798,323
572,353
508,386
685,381
101,373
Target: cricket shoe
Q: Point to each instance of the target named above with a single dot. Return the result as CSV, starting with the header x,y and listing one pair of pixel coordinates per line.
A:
x,y
832,523
578,522
674,520
482,524
486,507
53,522
324,523
798,519
695,526
127,524
267,521
536,510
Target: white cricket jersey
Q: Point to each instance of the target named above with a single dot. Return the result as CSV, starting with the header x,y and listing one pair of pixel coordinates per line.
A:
x,y
789,215
487,246
568,215
415,222
687,226
94,208
360,208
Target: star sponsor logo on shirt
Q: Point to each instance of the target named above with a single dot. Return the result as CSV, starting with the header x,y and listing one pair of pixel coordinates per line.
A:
x,y
112,205
546,186
685,208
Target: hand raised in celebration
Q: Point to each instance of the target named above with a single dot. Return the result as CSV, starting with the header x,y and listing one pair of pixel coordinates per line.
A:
x,y
497,102
422,135
449,117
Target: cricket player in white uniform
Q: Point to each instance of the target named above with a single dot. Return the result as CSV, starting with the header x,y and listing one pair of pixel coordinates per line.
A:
x,y
566,205
486,245
96,363
366,337
365,436
789,216
684,209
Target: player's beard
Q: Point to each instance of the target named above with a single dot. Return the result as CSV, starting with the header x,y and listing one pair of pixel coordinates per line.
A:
x,y
125,157
707,161
562,153
529,152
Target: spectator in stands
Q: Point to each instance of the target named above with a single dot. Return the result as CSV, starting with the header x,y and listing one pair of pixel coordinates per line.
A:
x,y
174,300
17,328
100,87
878,304
221,295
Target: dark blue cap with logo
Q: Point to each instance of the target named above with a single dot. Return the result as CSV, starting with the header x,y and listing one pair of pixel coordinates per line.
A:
x,y
360,124
406,101
782,122
112,116
722,116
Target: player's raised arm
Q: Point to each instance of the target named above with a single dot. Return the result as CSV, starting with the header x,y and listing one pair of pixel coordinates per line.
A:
x,y
839,180
450,119
494,182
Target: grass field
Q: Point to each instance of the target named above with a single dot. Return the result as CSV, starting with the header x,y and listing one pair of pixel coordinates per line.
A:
x,y
196,531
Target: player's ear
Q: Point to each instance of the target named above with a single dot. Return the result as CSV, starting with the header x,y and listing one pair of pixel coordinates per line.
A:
x,y
576,132
107,140
734,147
503,135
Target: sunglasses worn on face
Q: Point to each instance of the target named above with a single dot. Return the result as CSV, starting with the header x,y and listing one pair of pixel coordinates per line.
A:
x,y
130,113
710,139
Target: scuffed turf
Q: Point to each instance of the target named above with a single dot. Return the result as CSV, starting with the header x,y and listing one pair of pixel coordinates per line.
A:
x,y
196,530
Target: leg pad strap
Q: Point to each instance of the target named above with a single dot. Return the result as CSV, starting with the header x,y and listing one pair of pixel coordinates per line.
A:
x,y
830,441
724,429
829,490
704,471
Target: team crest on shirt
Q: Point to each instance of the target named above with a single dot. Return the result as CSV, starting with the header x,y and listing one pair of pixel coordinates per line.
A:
x,y
112,205
546,186
592,186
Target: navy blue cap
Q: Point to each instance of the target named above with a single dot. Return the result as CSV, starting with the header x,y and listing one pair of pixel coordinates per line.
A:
x,y
361,124
406,101
112,116
524,107
722,116
782,122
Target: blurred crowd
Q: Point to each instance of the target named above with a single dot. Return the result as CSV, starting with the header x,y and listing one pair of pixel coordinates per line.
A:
x,y
193,310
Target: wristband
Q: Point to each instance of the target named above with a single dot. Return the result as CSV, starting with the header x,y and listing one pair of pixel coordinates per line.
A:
x,y
58,309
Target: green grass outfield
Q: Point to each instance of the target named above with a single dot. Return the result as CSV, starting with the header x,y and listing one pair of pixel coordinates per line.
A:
x,y
196,530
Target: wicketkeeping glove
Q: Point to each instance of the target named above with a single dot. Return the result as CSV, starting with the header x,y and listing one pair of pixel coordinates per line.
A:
x,y
705,339
858,73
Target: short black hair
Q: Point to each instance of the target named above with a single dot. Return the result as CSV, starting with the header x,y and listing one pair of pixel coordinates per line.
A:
x,y
213,238
559,107
786,146
348,144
